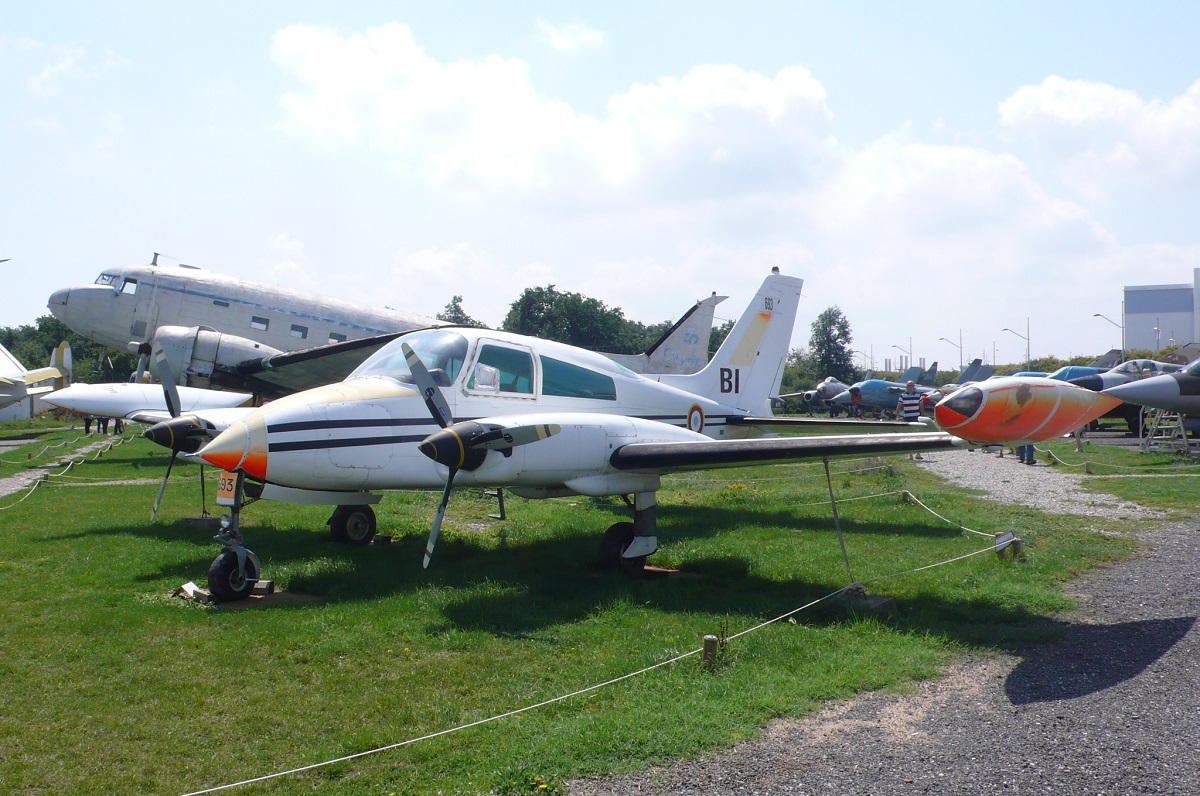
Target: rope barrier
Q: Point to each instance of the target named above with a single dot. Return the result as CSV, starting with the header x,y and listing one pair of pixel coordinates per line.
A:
x,y
573,694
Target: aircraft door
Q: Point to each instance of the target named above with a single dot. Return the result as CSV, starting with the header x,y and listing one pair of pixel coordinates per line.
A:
x,y
145,312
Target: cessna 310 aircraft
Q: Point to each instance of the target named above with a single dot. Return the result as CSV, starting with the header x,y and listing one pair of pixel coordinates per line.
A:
x,y
456,406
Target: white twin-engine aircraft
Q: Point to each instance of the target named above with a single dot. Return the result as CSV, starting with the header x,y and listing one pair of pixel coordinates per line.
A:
x,y
443,407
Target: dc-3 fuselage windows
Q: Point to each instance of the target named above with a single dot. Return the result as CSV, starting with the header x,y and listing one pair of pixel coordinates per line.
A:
x,y
442,353
513,366
572,381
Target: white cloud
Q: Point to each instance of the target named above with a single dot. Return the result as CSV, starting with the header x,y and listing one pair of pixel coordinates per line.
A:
x,y
1107,139
475,124
572,37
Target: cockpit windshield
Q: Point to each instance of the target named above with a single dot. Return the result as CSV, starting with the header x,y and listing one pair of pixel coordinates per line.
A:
x,y
442,352
1193,369
108,279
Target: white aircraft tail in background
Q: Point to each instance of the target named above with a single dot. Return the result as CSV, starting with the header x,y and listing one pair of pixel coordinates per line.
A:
x,y
748,367
16,380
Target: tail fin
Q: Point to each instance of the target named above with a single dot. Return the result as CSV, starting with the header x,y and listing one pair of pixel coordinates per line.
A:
x,y
748,367
912,374
60,358
929,377
970,370
684,347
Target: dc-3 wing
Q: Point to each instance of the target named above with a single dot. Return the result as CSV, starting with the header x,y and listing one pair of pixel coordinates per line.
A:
x,y
295,371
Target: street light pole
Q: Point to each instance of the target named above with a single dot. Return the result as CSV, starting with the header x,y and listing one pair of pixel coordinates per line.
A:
x,y
957,345
1120,326
1025,337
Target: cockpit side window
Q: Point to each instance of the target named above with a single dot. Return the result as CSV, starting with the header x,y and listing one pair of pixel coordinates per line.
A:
x,y
573,381
129,286
515,367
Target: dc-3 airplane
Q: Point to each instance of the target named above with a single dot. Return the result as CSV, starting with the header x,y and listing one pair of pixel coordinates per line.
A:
x,y
211,323
440,408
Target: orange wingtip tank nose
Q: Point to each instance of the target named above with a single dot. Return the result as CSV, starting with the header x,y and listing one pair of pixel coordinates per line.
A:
x,y
1019,409
238,447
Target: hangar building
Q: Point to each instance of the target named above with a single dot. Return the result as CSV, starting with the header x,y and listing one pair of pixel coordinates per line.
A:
x,y
1157,316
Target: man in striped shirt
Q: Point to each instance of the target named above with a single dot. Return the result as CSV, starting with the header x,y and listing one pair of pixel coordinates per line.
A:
x,y
908,408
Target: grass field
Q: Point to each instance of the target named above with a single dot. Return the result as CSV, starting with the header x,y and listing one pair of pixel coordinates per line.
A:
x,y
111,685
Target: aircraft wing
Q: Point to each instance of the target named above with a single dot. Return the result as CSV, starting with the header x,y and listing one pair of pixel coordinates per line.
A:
x,y
667,457
294,371
783,422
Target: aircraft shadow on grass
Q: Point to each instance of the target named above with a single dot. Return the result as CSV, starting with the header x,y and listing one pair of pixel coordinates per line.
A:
x,y
1092,658
555,581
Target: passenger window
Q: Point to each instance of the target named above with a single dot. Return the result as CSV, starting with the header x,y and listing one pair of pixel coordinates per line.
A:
x,y
514,369
334,337
573,381
299,331
258,323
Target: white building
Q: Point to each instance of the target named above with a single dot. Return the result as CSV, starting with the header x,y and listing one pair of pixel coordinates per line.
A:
x,y
1158,316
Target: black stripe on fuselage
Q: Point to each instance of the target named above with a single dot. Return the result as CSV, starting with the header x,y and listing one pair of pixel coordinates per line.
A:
x,y
352,442
355,442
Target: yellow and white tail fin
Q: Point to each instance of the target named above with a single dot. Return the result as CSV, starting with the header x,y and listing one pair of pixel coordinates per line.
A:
x,y
747,369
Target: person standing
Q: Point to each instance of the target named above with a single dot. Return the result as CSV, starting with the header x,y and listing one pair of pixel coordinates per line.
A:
x,y
908,408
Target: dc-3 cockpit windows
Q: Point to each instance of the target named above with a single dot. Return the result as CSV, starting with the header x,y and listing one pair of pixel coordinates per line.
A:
x,y
572,381
118,283
108,280
513,370
442,353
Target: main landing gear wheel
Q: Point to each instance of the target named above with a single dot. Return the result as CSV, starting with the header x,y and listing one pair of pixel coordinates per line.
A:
x,y
352,524
226,582
615,542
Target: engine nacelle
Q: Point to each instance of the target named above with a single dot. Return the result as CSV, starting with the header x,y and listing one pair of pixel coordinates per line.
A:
x,y
200,354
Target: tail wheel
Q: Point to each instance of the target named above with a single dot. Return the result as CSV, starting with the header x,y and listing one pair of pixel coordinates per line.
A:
x,y
227,582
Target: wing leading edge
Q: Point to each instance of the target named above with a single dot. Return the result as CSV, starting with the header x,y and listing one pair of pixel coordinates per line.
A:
x,y
666,457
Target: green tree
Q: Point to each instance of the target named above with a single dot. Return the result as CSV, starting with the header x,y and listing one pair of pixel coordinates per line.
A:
x,y
830,346
453,312
575,319
717,336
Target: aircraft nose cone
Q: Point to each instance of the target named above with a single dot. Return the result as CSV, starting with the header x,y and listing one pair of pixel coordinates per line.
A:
x,y
242,446
841,398
1159,392
1093,383
58,300
958,407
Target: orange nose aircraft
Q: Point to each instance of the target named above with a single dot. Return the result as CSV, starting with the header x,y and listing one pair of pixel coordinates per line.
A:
x,y
1018,410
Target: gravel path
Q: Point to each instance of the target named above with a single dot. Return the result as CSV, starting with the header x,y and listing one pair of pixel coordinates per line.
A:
x,y
1112,709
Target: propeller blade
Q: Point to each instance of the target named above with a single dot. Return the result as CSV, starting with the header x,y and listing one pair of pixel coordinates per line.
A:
x,y
162,369
162,488
437,519
512,436
428,387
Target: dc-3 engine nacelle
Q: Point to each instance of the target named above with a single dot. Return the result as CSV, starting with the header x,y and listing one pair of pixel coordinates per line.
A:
x,y
199,353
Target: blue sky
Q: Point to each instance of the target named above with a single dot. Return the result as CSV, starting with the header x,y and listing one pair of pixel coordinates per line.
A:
x,y
927,167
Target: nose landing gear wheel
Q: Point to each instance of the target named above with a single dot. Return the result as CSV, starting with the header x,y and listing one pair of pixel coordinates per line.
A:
x,y
615,542
226,582
352,524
